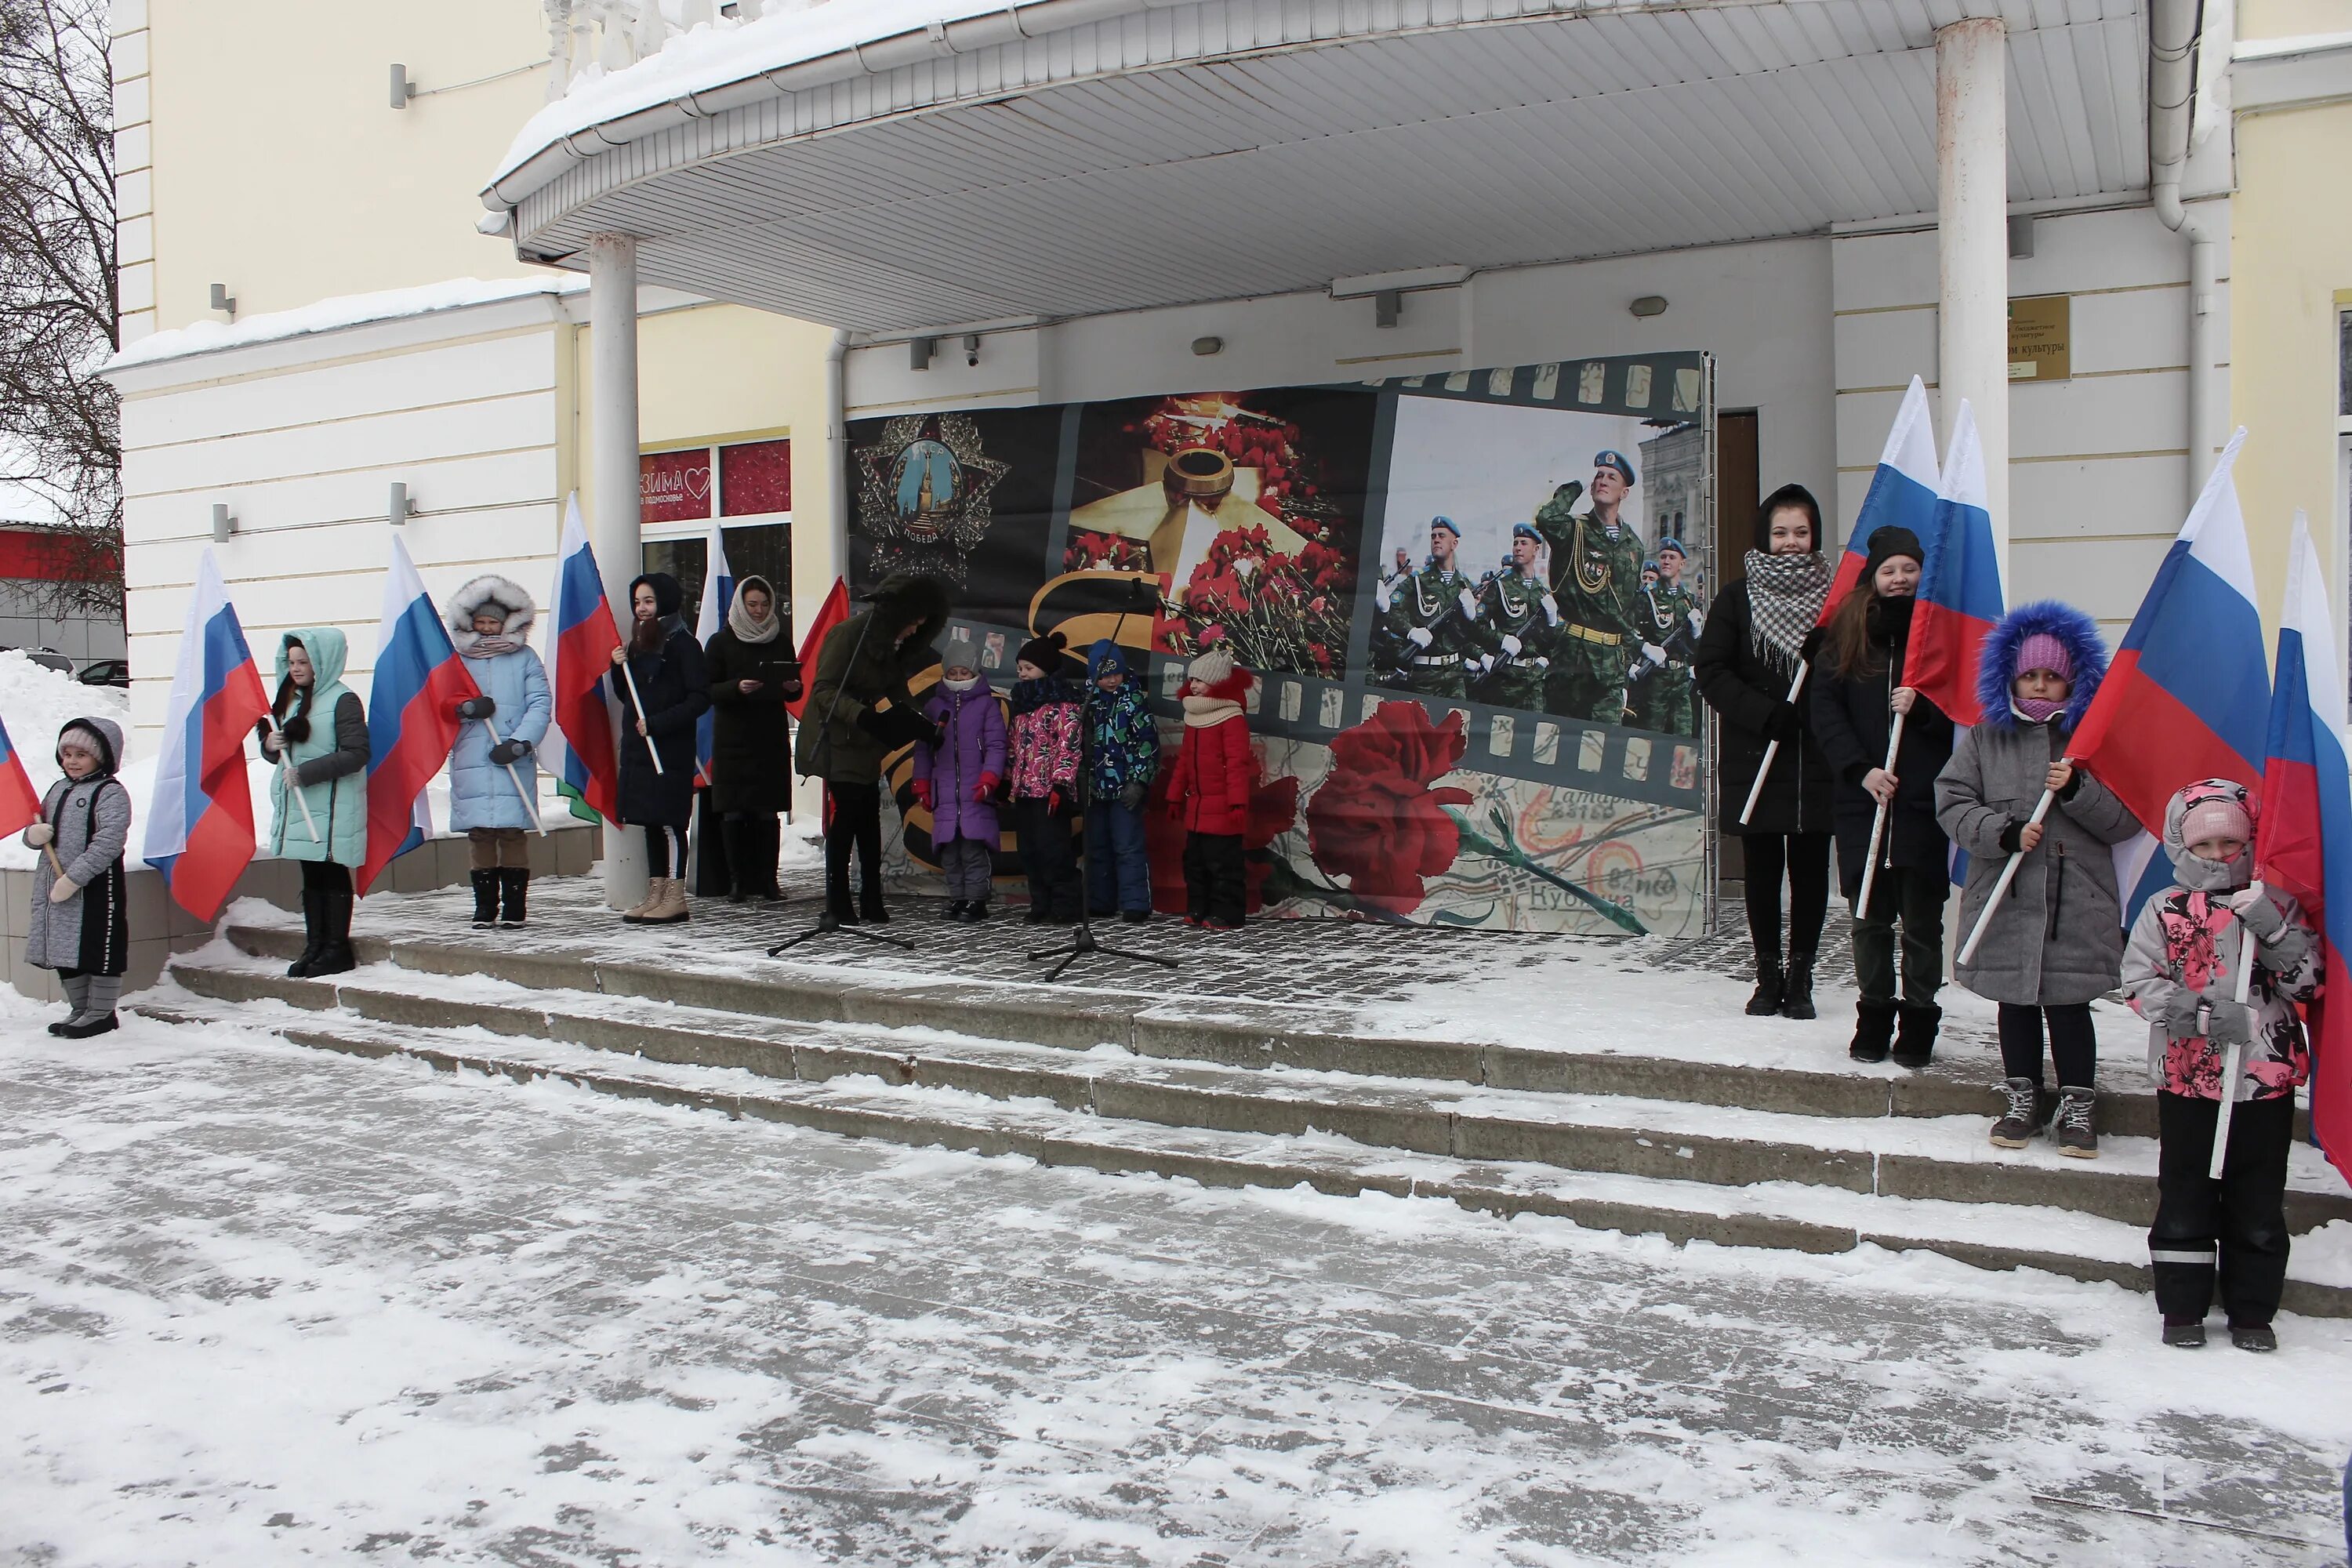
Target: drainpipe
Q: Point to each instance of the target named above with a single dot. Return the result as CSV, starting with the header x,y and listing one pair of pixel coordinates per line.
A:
x,y
2173,27
836,450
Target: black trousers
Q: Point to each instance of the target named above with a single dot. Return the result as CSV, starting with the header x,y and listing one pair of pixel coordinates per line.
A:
x,y
326,876
2074,1044
665,851
1804,858
2232,1232
1914,896
1216,886
1049,858
852,820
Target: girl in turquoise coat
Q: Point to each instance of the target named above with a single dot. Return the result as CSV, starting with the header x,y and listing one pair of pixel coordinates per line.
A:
x,y
317,735
493,779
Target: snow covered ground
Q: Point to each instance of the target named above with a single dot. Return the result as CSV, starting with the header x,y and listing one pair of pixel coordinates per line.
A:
x,y
260,1304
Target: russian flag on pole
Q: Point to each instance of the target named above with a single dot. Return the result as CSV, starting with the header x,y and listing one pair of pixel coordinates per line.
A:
x,y
2186,695
20,803
579,749
412,715
1902,492
1959,584
200,820
2304,845
717,592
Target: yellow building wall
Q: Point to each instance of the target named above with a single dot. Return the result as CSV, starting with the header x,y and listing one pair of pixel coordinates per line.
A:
x,y
2291,253
281,169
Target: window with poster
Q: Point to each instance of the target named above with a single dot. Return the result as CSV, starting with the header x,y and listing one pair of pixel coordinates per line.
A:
x,y
745,485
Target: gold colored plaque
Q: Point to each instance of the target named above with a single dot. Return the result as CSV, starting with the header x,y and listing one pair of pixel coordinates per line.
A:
x,y
2040,335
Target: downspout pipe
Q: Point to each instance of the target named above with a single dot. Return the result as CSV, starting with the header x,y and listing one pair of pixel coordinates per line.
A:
x,y
836,450
2173,30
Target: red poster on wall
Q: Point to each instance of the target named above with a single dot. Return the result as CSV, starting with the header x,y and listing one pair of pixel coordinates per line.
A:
x,y
674,487
755,477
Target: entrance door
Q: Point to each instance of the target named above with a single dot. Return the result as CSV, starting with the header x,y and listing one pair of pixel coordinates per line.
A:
x,y
1737,492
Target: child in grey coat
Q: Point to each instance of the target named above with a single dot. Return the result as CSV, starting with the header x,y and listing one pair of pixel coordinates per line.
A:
x,y
79,926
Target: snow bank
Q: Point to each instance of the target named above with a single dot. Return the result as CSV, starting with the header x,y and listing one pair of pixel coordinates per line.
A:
x,y
343,311
727,50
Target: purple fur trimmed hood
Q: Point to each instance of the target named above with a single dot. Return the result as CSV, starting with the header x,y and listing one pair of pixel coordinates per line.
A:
x,y
2072,627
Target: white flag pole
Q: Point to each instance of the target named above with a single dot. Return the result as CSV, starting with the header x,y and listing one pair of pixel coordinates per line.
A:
x,y
285,767
2231,1064
2008,875
639,704
1878,822
1771,749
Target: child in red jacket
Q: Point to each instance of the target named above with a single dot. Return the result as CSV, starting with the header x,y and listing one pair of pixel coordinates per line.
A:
x,y
1210,791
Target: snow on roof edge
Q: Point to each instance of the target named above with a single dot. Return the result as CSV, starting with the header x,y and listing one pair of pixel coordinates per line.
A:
x,y
332,314
716,54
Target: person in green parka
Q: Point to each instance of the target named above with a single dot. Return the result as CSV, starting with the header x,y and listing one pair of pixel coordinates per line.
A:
x,y
317,735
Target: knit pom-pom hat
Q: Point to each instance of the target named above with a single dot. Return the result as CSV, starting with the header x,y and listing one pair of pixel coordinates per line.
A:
x,y
1213,668
1045,652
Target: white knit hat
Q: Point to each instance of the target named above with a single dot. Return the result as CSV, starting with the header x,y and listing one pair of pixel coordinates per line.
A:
x,y
1212,666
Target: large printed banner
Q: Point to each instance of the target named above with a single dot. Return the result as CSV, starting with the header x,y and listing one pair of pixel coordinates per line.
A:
x,y
1471,601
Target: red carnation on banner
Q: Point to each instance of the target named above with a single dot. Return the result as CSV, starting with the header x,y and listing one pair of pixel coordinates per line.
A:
x,y
1378,819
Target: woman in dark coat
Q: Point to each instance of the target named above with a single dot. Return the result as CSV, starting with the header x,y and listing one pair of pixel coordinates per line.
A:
x,y
666,674
753,673
859,710
1855,699
1757,630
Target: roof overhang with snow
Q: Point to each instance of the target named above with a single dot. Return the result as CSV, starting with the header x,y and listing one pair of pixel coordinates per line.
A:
x,y
894,165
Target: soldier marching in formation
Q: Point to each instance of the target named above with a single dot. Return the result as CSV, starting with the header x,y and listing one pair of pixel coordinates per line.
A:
x,y
1667,628
1522,620
1596,578
1429,619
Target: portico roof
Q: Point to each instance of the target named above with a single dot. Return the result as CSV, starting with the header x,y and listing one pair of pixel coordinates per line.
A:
x,y
903,164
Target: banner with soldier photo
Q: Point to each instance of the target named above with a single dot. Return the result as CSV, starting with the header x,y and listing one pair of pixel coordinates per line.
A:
x,y
1471,601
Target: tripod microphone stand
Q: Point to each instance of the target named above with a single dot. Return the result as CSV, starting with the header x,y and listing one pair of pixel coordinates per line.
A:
x,y
1081,943
828,924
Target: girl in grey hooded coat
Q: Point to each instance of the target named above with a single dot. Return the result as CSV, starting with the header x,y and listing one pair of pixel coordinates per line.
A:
x,y
78,925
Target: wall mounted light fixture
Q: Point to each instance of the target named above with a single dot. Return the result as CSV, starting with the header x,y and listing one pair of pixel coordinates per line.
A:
x,y
403,89
399,509
221,299
919,353
223,523
1649,305
1207,346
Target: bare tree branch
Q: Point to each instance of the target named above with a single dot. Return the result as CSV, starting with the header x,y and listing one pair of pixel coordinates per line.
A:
x,y
60,425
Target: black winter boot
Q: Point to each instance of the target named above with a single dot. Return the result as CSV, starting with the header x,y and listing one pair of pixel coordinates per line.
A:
x,y
1873,1031
771,834
514,886
335,955
1797,989
486,897
1914,1042
736,834
869,904
314,932
1770,986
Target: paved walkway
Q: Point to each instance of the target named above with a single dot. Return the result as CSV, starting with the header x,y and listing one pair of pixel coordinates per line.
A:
x,y
261,1305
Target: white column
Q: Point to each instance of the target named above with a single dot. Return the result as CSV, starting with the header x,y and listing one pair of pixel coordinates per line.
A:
x,y
1972,245
615,528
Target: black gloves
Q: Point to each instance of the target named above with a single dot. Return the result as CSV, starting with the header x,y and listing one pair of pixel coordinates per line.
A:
x,y
898,725
1785,725
296,730
507,752
2012,837
477,707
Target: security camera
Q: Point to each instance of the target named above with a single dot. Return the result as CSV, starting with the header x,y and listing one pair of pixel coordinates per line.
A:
x,y
972,348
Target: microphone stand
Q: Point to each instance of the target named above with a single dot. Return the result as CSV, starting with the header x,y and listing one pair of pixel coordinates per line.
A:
x,y
1081,943
827,922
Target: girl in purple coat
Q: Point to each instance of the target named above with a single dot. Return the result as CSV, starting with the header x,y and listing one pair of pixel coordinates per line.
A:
x,y
957,781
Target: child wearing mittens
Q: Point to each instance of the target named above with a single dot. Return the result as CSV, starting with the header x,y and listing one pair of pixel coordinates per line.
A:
x,y
1210,791
1044,759
2181,972
79,924
2056,939
957,779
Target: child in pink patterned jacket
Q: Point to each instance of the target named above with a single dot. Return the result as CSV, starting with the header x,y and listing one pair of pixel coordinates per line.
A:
x,y
1046,708
2180,971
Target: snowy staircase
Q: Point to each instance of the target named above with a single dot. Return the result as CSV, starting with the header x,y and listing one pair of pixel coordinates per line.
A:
x,y
1241,1093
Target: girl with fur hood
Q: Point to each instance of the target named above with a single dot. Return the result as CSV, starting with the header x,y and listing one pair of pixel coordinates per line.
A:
x,y
79,926
493,779
2180,970
666,674
2056,940
859,710
753,673
1210,791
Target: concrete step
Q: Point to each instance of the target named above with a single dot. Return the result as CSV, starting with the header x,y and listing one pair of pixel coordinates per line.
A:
x,y
925,1109
908,1043
1235,1032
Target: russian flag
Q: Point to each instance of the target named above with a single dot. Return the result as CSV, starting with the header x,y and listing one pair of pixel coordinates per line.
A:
x,y
585,766
829,615
200,820
717,592
1959,583
20,803
1903,491
2304,844
412,715
2186,695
